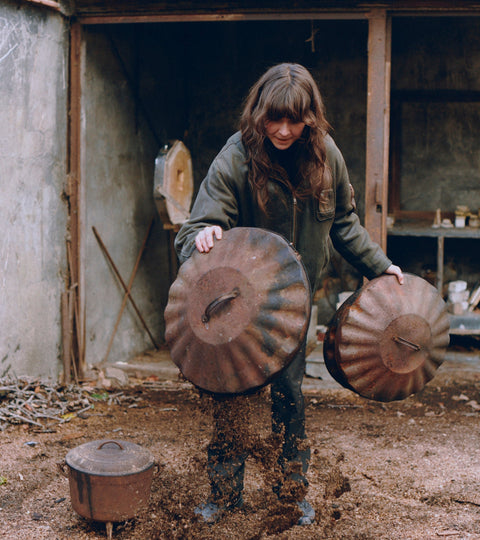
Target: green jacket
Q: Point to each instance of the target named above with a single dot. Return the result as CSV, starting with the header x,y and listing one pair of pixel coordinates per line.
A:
x,y
225,198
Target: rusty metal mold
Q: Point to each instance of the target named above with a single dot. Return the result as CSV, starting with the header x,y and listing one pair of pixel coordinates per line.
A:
x,y
387,340
237,315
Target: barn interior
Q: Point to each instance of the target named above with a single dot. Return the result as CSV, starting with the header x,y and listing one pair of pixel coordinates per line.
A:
x,y
145,85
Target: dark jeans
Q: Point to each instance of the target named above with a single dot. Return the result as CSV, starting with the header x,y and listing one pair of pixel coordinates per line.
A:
x,y
226,456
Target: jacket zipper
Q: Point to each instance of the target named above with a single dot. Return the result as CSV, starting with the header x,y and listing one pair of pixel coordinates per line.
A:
x,y
294,224
293,239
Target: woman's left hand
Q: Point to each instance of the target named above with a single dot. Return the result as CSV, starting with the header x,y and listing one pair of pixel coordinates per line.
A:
x,y
395,271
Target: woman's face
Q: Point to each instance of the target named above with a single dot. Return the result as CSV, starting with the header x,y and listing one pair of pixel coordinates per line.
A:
x,y
283,132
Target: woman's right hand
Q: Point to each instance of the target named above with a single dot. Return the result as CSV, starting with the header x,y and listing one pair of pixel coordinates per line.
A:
x,y
204,239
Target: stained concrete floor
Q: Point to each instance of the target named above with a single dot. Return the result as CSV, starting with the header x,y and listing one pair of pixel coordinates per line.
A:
x,y
457,364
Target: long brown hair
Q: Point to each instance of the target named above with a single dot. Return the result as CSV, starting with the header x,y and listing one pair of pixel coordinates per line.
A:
x,y
285,91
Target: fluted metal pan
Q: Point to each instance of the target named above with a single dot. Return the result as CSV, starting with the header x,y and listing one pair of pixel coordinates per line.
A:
x,y
387,340
236,316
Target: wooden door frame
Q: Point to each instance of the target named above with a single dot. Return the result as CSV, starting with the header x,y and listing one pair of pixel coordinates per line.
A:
x,y
376,185
378,122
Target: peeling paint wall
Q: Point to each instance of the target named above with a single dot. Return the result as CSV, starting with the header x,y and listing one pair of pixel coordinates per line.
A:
x,y
33,89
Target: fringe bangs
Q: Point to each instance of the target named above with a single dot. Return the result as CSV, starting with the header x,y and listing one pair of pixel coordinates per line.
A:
x,y
286,102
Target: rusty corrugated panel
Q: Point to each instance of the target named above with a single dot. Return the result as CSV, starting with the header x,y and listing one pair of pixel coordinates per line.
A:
x,y
237,315
387,340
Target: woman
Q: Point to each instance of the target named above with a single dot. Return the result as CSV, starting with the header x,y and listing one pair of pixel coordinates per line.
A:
x,y
283,172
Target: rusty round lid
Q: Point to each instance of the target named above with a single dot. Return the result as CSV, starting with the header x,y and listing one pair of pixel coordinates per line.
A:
x,y
108,457
237,315
387,340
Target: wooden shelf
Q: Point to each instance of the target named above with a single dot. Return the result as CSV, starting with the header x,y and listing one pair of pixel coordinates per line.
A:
x,y
419,228
468,323
424,229
465,325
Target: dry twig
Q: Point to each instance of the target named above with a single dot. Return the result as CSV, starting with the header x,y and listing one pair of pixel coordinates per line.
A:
x,y
42,404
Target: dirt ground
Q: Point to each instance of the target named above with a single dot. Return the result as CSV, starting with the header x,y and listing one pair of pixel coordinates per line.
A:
x,y
401,470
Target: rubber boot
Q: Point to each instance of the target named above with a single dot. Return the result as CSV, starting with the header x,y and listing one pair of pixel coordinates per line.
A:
x,y
308,513
212,512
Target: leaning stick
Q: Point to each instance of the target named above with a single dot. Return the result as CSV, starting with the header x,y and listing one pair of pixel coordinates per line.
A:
x,y
66,338
125,297
125,288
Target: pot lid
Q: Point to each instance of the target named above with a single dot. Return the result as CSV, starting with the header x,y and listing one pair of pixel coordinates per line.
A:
x,y
387,340
108,457
237,315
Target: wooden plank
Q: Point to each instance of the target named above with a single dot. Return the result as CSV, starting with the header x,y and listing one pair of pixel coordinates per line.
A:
x,y
395,163
378,119
420,215
440,259
74,176
128,11
66,338
221,17
426,230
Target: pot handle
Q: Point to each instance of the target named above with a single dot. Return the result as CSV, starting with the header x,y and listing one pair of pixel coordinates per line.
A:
x,y
108,442
62,467
218,301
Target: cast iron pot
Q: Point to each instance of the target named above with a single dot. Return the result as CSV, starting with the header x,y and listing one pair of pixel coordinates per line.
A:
x,y
109,480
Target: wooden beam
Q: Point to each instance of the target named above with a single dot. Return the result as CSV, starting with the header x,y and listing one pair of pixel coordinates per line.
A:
x,y
112,18
148,11
73,194
378,118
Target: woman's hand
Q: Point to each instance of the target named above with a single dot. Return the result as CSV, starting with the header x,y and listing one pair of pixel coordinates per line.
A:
x,y
204,239
395,271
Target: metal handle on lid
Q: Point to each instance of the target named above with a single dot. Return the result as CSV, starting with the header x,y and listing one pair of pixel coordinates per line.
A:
x,y
407,343
220,300
108,442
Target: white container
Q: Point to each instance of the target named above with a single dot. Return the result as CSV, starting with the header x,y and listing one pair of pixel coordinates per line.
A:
x,y
458,296
457,308
460,222
457,286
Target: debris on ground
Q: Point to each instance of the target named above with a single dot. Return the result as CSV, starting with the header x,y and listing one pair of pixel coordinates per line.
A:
x,y
44,404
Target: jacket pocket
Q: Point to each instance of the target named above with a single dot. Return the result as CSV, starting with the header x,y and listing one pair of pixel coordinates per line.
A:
x,y
325,205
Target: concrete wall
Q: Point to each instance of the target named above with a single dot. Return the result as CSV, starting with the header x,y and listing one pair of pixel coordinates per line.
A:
x,y
441,141
117,175
33,84
441,150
